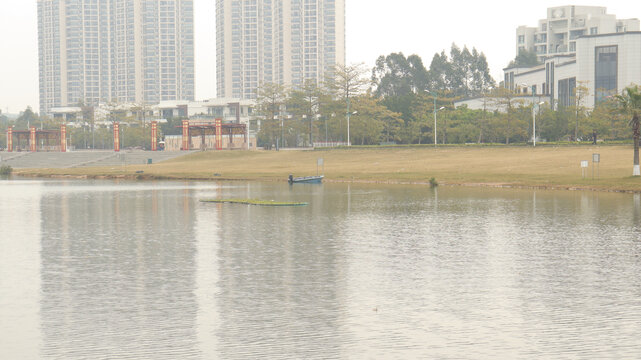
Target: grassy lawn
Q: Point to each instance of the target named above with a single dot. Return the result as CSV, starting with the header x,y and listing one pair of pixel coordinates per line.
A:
x,y
517,166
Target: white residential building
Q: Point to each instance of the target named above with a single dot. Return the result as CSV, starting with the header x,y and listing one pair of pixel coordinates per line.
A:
x,y
284,42
558,33
125,51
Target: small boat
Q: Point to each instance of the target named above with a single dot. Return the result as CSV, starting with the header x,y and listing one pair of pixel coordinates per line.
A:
x,y
306,180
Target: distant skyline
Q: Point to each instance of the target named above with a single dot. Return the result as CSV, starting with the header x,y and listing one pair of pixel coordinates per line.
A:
x,y
374,28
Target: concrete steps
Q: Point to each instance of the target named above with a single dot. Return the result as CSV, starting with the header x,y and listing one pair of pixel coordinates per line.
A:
x,y
85,158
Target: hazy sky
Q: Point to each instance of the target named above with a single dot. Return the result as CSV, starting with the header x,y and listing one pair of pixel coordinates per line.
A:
x,y
374,27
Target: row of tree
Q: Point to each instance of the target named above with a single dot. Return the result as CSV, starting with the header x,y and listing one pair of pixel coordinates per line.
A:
x,y
398,101
395,102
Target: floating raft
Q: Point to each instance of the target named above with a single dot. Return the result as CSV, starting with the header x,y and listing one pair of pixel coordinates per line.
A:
x,y
254,202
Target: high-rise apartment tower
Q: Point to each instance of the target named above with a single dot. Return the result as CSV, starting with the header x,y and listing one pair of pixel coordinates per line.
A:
x,y
126,51
277,41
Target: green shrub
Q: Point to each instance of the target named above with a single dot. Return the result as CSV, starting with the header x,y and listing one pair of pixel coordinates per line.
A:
x,y
6,170
433,182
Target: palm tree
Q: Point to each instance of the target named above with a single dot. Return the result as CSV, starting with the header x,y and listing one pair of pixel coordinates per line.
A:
x,y
630,102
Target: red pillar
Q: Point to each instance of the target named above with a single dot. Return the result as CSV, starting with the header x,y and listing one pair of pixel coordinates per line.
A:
x,y
116,137
185,135
63,138
10,139
219,134
33,142
154,134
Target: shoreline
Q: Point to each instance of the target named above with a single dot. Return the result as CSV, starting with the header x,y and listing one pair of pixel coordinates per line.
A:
x,y
147,177
545,168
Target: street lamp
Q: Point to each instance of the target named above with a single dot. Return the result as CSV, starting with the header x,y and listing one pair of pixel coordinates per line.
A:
x,y
317,116
533,113
349,143
435,111
534,123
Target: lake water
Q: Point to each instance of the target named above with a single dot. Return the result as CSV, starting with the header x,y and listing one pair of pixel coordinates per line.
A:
x,y
143,270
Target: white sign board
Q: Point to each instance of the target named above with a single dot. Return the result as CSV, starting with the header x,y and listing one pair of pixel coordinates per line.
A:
x,y
584,163
320,162
596,158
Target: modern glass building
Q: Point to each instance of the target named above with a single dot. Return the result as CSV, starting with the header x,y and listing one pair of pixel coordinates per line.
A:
x,y
279,41
126,51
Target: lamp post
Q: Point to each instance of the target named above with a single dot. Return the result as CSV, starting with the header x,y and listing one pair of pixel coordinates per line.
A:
x,y
434,120
533,114
325,130
349,143
435,111
534,122
318,116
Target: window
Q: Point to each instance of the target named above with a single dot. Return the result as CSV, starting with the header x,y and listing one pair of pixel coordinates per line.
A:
x,y
567,88
594,30
521,39
605,71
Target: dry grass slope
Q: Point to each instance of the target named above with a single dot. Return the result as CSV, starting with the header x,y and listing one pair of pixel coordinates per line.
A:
x,y
554,167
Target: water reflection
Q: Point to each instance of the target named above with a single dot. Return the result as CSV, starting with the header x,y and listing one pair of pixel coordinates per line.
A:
x,y
143,270
115,278
275,281
20,284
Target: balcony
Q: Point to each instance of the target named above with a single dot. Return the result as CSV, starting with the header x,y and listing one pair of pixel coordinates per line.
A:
x,y
577,23
576,34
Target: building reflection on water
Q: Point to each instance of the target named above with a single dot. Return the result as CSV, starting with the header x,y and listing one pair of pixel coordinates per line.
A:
x,y
20,269
144,270
272,279
117,273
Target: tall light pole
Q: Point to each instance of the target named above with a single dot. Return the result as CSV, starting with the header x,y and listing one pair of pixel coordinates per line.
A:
x,y
534,122
349,143
434,120
435,111
533,114
533,119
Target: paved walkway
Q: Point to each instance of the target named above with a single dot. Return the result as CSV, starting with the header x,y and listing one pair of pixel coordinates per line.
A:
x,y
84,158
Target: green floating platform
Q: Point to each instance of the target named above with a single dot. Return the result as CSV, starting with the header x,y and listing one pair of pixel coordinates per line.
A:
x,y
253,202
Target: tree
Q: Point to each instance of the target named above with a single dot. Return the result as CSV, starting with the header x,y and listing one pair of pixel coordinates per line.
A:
x,y
482,81
608,121
27,118
630,104
374,121
553,125
347,81
395,75
304,104
580,94
463,74
505,98
524,59
438,73
270,98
